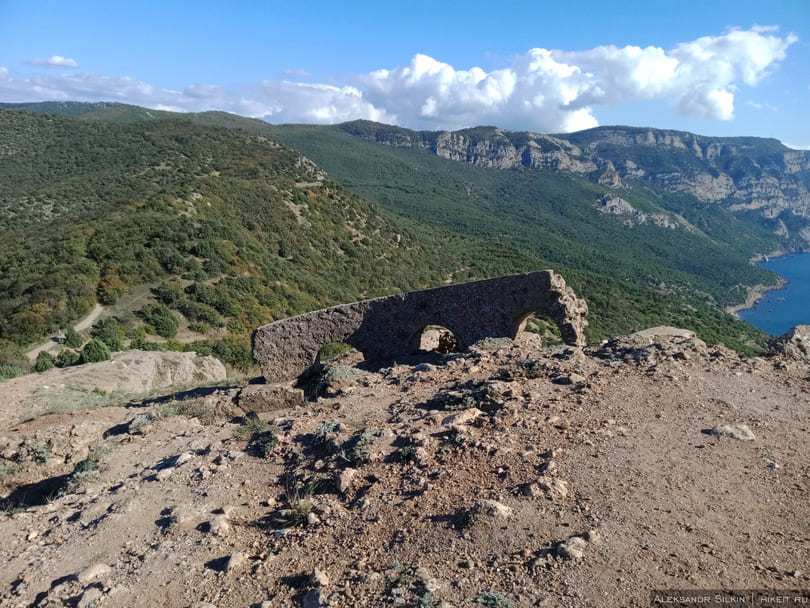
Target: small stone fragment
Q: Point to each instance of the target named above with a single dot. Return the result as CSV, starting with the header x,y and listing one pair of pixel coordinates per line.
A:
x,y
318,578
312,599
740,432
573,548
493,508
464,417
220,525
344,480
93,573
90,598
235,560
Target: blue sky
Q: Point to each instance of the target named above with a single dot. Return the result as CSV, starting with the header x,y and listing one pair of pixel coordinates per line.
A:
x,y
712,67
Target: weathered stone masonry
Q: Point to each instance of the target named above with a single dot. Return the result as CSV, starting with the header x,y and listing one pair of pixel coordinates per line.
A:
x,y
390,327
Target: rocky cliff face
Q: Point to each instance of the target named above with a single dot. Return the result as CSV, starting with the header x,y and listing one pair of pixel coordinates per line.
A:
x,y
741,174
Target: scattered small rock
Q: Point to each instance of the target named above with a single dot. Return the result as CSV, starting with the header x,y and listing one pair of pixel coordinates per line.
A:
x,y
492,508
573,548
740,432
464,417
312,599
318,578
90,598
344,479
235,560
93,573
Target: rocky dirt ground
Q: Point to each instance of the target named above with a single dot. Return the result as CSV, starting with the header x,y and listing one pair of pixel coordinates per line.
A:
x,y
506,476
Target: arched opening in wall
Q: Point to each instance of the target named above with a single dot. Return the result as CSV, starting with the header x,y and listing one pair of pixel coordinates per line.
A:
x,y
339,353
435,338
538,331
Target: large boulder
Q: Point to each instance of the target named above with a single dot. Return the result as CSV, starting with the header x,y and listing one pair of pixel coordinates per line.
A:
x,y
137,372
795,344
653,345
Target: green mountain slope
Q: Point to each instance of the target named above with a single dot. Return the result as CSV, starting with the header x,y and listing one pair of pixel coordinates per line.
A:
x,y
652,273
237,229
437,218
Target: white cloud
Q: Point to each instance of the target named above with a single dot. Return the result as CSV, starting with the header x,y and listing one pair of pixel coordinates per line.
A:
x,y
542,90
54,61
315,103
558,91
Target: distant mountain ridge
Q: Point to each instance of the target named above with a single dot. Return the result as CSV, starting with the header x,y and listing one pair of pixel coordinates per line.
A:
x,y
738,173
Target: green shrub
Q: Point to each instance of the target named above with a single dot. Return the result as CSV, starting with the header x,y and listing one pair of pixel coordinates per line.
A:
x,y
332,350
44,361
73,339
94,351
9,371
199,327
66,358
111,332
161,318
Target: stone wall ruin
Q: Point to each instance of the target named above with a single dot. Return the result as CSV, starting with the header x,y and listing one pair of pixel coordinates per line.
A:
x,y
390,327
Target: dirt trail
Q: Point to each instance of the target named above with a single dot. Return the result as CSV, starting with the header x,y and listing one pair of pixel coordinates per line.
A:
x,y
52,345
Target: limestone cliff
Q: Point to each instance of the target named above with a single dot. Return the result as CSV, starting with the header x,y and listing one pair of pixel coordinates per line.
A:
x,y
742,174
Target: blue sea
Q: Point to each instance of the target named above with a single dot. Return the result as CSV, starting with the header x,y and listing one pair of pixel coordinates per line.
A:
x,y
781,309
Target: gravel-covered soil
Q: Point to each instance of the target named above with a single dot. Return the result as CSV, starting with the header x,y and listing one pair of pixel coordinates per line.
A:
x,y
506,474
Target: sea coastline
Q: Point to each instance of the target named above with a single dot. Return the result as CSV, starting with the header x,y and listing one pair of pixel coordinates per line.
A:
x,y
754,294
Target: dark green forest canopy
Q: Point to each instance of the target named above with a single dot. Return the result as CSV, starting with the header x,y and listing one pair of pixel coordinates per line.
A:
x,y
234,230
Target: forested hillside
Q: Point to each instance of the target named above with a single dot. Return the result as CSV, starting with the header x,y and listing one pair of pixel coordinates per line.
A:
x,y
231,230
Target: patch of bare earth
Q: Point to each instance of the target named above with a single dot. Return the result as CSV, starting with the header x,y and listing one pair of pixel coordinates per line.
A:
x,y
544,478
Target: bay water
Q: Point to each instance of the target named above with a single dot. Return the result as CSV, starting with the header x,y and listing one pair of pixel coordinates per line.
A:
x,y
779,310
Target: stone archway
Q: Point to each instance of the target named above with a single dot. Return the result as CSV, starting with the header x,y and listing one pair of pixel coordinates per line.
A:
x,y
384,328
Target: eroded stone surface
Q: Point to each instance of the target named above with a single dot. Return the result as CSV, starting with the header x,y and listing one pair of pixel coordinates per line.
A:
x,y
794,344
386,328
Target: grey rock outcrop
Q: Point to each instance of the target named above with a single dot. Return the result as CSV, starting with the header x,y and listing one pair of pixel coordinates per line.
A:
x,y
138,372
653,345
794,344
386,328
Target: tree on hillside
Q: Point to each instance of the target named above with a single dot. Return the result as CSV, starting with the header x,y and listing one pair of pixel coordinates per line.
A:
x,y
161,318
73,339
111,332
44,361
94,351
66,358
